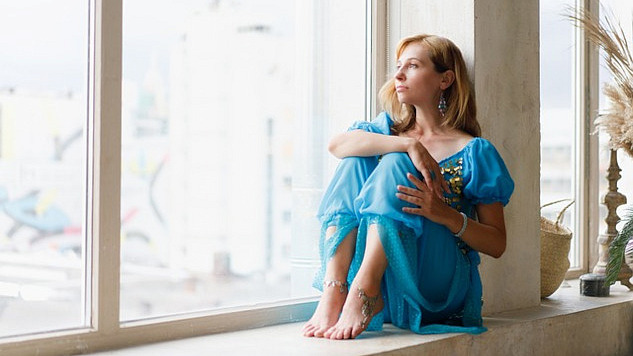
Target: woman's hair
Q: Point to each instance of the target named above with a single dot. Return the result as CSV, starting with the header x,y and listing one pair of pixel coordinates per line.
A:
x,y
461,112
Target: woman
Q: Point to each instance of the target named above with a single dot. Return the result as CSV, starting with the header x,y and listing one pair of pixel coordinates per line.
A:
x,y
399,238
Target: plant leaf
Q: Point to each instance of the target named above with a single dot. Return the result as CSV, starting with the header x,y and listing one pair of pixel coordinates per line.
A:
x,y
618,246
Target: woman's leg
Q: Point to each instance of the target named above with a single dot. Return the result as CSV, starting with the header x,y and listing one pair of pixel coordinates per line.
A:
x,y
377,198
335,288
364,299
338,240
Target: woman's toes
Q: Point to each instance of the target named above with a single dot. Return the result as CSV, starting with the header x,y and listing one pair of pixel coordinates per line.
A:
x,y
335,334
328,309
320,332
308,330
329,334
347,333
356,332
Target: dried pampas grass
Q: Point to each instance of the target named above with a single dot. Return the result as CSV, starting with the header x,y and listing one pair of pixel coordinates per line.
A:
x,y
617,120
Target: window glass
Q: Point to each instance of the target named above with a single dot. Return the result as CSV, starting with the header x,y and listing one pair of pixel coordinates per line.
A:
x,y
557,113
620,11
43,106
226,110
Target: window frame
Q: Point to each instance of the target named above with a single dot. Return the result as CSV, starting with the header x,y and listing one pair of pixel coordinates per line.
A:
x,y
586,179
102,266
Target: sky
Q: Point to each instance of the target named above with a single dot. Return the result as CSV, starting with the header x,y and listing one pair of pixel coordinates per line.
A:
x,y
43,44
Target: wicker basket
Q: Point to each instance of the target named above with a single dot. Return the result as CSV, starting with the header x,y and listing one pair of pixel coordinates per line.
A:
x,y
555,242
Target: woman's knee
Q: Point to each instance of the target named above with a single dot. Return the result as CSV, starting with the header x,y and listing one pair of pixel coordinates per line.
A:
x,y
397,161
359,161
360,167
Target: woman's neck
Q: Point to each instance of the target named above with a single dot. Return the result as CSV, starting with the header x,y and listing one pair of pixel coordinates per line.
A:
x,y
428,122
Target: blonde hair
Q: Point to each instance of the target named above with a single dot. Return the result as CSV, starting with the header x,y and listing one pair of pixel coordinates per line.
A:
x,y
461,110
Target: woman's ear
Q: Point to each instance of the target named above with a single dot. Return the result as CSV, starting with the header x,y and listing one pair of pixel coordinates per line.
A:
x,y
448,77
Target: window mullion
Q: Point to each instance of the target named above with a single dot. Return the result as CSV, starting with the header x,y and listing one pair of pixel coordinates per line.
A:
x,y
106,175
377,66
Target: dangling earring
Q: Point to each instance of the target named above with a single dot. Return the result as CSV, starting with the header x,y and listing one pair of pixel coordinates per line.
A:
x,y
442,105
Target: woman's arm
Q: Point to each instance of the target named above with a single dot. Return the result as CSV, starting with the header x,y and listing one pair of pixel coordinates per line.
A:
x,y
488,235
364,144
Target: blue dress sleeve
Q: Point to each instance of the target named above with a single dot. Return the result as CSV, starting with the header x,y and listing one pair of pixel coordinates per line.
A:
x,y
381,125
489,180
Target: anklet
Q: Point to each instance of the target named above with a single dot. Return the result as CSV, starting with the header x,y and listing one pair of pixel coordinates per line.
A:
x,y
342,286
368,306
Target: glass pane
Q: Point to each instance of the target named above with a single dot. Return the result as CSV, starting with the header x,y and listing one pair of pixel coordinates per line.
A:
x,y
557,113
618,10
227,108
43,106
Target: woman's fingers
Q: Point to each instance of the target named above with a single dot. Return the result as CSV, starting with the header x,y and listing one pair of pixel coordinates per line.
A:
x,y
437,186
410,191
429,168
428,177
413,195
417,182
434,179
415,211
443,183
439,183
410,198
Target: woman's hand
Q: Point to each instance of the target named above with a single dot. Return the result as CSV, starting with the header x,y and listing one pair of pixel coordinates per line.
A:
x,y
428,204
428,167
490,222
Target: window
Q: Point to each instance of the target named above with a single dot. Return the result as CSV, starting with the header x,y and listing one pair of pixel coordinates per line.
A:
x,y
225,111
618,10
558,116
43,107
573,160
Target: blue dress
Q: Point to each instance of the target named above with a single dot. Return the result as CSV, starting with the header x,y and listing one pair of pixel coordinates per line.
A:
x,y
432,282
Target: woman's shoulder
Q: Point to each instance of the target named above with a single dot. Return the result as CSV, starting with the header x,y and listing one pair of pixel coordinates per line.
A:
x,y
383,117
384,122
480,150
486,173
479,144
463,139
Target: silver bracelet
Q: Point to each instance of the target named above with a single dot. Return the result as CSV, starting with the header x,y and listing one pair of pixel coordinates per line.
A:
x,y
464,225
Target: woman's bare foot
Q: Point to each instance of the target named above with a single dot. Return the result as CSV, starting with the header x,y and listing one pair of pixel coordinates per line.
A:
x,y
328,310
360,306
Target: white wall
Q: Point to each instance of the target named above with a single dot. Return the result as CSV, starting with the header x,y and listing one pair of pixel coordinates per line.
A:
x,y
500,43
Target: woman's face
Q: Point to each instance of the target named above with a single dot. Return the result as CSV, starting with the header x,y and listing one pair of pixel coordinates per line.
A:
x,y
417,82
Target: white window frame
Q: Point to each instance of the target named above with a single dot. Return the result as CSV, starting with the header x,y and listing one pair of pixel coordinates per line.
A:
x,y
105,330
586,179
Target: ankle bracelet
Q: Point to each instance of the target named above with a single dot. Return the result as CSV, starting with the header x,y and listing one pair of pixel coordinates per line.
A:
x,y
369,303
342,286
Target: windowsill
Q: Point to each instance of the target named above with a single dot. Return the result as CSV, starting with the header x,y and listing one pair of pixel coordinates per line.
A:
x,y
555,312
